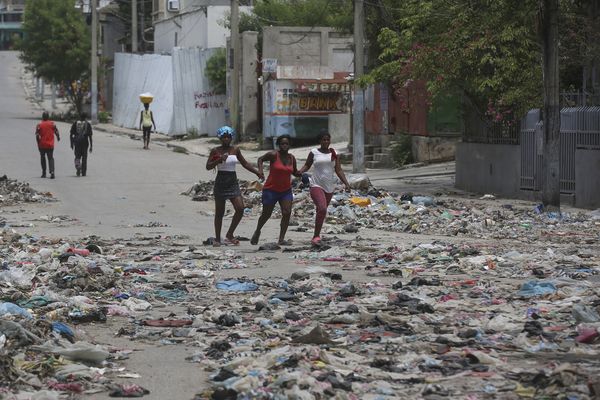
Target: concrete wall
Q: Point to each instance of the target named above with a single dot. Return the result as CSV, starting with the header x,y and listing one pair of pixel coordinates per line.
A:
x,y
249,119
340,126
306,46
587,178
192,27
487,168
429,149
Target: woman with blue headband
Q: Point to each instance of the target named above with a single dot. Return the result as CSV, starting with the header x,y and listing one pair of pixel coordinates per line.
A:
x,y
225,158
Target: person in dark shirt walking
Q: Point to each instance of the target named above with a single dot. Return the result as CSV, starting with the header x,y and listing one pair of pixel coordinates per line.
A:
x,y
81,141
44,135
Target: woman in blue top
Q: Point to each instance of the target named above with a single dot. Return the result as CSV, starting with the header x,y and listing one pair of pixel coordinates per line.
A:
x,y
225,159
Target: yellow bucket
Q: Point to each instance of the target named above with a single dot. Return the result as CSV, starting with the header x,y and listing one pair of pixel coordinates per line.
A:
x,y
146,98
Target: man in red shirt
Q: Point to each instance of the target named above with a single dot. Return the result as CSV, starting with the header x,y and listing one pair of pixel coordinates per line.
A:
x,y
44,135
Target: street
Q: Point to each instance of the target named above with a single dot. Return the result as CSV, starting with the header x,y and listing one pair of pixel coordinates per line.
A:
x,y
456,296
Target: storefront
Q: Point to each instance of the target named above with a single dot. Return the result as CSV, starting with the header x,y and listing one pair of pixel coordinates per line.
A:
x,y
302,108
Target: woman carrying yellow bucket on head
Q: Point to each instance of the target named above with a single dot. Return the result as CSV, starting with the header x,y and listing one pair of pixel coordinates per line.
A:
x,y
146,118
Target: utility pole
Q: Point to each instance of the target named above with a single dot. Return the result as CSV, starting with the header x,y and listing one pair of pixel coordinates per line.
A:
x,y
134,27
358,106
235,68
551,115
94,83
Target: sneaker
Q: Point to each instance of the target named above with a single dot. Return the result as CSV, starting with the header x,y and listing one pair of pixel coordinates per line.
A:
x,y
43,175
51,176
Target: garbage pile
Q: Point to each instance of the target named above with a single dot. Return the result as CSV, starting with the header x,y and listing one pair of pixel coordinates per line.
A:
x,y
487,300
373,208
203,191
13,192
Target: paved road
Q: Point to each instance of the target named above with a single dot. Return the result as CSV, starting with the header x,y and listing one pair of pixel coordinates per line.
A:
x,y
125,184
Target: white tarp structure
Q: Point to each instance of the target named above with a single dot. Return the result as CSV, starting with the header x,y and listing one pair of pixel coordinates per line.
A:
x,y
135,74
195,104
183,100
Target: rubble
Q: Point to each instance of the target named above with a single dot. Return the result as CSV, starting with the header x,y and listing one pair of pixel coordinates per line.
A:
x,y
13,192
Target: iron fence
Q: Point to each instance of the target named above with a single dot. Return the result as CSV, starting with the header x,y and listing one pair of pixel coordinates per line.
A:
x,y
579,129
478,129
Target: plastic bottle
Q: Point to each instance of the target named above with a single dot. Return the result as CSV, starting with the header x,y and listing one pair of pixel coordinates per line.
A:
x,y
424,200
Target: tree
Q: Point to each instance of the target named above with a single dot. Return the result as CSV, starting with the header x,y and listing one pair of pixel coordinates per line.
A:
x,y
487,51
548,30
56,43
216,71
144,8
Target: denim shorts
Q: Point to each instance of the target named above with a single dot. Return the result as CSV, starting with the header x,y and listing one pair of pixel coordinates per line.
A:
x,y
270,197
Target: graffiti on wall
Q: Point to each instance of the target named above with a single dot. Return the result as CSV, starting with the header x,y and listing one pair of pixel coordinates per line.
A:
x,y
206,100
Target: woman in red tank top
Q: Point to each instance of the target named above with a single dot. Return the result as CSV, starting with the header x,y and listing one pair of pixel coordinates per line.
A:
x,y
277,188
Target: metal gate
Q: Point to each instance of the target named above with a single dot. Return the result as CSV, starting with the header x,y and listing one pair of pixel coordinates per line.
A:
x,y
579,129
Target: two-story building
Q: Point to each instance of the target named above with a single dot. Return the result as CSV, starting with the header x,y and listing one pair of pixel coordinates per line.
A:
x,y
11,17
191,23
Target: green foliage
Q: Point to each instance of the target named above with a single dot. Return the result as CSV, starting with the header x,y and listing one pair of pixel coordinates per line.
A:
x,y
192,133
123,12
335,13
56,44
487,50
104,117
68,116
402,150
580,42
216,70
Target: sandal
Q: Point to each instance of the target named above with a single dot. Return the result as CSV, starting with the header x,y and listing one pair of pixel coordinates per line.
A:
x,y
316,241
231,242
285,242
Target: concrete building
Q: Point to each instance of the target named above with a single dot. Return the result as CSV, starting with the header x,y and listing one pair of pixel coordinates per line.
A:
x,y
190,23
305,82
11,17
112,41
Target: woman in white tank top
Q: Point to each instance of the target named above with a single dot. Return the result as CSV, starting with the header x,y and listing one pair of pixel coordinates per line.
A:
x,y
225,159
325,163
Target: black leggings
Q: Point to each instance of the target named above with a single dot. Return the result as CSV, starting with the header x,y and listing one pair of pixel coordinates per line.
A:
x,y
50,154
146,132
81,154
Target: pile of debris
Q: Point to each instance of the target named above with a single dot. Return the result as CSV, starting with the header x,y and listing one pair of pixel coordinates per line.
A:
x,y
13,192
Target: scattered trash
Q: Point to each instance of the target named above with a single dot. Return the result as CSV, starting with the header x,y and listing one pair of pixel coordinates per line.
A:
x,y
236,286
452,312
